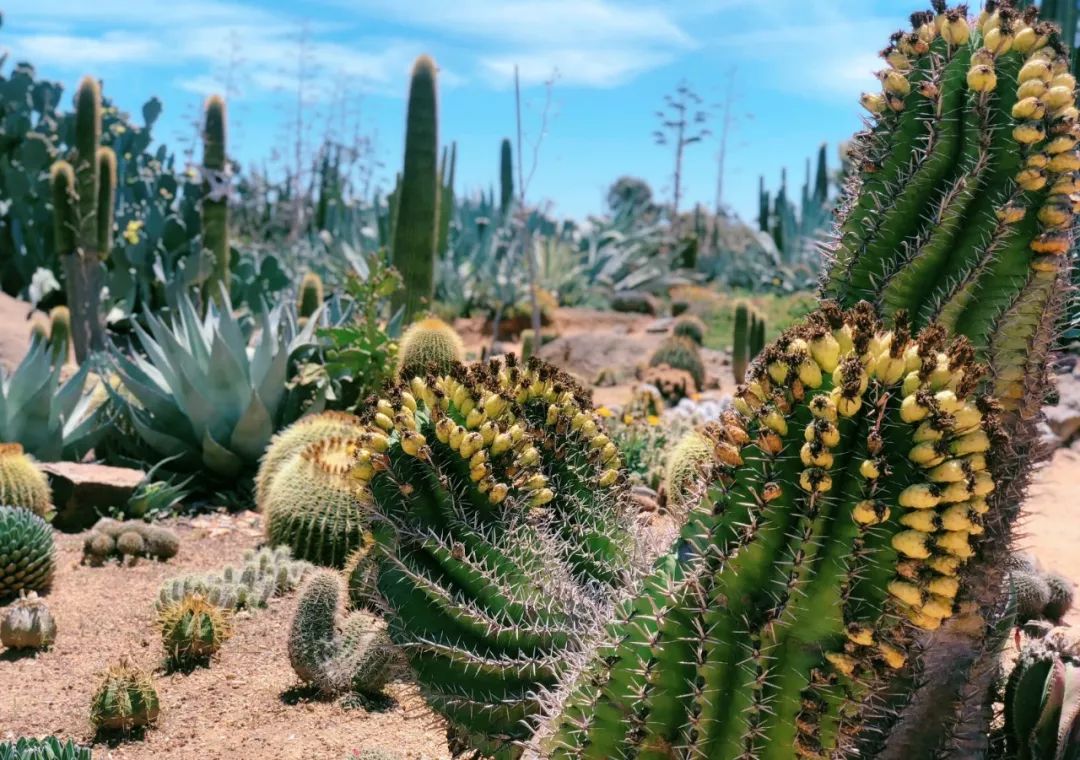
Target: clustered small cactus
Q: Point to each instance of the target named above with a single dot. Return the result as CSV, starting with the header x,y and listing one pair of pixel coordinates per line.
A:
x,y
27,555
264,574
192,629
125,700
355,660
22,483
27,623
129,538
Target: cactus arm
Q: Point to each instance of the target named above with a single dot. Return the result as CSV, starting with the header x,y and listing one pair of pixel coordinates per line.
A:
x,y
87,139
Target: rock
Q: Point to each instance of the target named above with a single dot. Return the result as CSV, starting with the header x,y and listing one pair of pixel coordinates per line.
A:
x,y
661,325
82,491
1064,416
586,354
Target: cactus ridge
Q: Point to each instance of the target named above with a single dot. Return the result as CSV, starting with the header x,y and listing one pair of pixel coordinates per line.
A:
x,y
845,496
503,539
22,483
962,207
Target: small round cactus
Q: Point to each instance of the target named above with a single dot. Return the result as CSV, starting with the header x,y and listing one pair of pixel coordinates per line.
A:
x,y
296,437
22,484
1061,597
1032,594
26,552
685,471
129,538
680,353
689,327
429,344
126,699
27,624
130,544
193,630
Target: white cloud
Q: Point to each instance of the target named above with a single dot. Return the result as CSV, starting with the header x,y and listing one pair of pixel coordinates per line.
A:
x,y
69,50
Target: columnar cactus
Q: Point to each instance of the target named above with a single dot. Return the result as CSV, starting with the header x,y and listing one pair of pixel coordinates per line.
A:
x,y
740,341
355,660
215,202
415,235
27,556
83,195
314,508
125,700
506,176
22,483
430,343
847,494
309,296
961,213
757,334
503,536
60,333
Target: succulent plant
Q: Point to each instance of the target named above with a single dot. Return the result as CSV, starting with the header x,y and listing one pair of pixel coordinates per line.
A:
x,y
1032,595
429,343
192,629
1042,702
683,471
50,419
417,208
264,574
125,700
309,297
354,660
314,508
153,497
202,397
295,438
27,623
830,562
691,328
680,353
502,539
1060,599
27,558
215,201
22,484
49,748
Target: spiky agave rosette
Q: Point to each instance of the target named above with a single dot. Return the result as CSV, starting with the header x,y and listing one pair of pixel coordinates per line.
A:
x,y
503,537
847,494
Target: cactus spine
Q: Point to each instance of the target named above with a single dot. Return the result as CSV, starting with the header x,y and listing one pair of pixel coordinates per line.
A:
x,y
215,202
83,197
415,235
506,176
355,660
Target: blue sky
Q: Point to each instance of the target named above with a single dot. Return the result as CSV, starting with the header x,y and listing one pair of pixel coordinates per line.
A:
x,y
799,66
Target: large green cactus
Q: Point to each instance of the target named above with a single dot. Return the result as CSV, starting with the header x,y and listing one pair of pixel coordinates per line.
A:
x,y
502,537
215,202
962,208
417,208
83,193
846,495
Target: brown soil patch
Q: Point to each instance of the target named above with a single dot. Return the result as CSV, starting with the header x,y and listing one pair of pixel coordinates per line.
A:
x,y
247,704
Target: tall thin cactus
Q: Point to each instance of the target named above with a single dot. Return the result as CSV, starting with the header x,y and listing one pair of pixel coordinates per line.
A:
x,y
415,233
506,176
215,202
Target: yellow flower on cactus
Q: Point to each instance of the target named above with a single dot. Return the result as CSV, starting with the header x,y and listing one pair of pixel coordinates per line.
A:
x,y
628,419
131,232
653,420
603,411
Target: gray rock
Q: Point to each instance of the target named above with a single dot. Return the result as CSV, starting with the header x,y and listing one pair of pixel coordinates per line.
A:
x,y
80,491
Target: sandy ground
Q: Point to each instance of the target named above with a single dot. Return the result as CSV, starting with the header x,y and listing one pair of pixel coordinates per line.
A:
x,y
247,704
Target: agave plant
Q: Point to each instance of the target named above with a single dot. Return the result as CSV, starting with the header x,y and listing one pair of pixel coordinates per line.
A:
x,y
203,396
52,420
